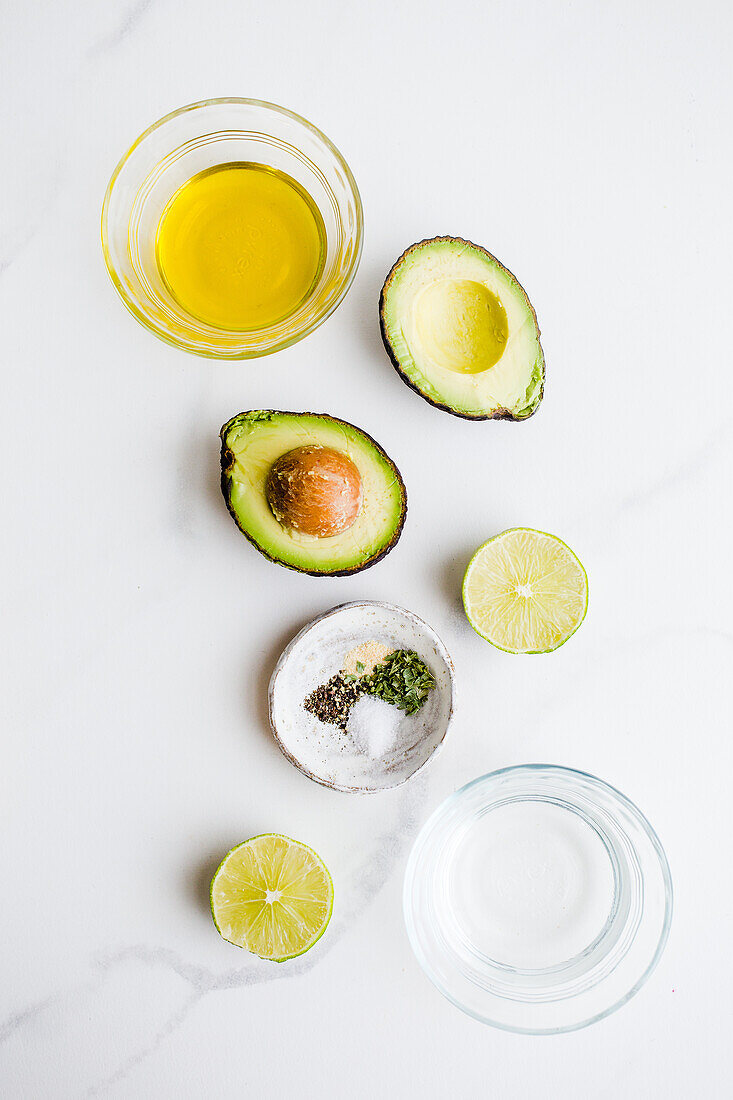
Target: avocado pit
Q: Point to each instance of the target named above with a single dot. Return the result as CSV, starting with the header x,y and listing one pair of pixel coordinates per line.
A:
x,y
315,490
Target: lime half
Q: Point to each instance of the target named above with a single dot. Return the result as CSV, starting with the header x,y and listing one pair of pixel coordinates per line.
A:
x,y
273,896
525,591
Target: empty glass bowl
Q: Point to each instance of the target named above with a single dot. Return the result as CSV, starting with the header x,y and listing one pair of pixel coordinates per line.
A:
x,y
201,136
538,899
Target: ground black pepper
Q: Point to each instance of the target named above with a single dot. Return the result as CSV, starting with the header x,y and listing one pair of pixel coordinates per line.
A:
x,y
332,701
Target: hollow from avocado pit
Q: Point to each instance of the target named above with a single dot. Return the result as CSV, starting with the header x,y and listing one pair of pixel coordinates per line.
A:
x,y
443,310
315,490
460,325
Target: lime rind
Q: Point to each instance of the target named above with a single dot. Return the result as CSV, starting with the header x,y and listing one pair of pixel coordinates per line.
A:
x,y
317,861
466,598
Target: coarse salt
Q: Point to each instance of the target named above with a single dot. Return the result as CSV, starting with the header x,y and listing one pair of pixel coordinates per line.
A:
x,y
374,726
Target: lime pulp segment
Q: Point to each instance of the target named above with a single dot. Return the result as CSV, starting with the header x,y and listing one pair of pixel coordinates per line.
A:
x,y
272,896
525,591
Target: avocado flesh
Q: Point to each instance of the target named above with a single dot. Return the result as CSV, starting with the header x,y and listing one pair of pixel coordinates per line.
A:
x,y
461,331
253,441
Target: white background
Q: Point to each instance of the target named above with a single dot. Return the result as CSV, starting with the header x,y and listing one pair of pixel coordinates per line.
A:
x,y
588,145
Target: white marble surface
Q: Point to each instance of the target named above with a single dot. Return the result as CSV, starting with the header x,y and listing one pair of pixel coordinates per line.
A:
x,y
589,147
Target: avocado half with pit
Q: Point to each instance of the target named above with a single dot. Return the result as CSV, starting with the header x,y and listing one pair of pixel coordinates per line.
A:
x,y
461,331
311,492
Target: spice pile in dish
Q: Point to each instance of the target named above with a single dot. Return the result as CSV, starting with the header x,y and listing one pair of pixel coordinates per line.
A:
x,y
397,677
363,659
402,679
332,701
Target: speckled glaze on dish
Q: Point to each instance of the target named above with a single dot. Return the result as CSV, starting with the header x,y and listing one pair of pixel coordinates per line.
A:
x,y
328,755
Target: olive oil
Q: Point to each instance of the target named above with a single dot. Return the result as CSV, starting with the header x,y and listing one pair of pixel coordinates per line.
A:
x,y
240,246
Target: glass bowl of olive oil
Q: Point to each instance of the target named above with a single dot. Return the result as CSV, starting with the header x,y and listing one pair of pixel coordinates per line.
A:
x,y
232,228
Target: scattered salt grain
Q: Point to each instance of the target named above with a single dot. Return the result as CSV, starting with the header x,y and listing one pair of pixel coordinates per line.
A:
x,y
374,726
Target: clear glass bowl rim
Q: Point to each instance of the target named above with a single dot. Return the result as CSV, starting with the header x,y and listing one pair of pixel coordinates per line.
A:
x,y
529,769
130,301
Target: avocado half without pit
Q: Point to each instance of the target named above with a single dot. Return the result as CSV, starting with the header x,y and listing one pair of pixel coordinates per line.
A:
x,y
461,332
311,492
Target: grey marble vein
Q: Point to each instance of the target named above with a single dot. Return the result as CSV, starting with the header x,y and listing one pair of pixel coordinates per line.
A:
x,y
23,229
10,250
124,28
14,1022
694,464
172,1023
360,888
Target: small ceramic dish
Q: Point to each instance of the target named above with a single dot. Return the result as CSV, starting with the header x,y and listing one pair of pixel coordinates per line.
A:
x,y
538,899
332,756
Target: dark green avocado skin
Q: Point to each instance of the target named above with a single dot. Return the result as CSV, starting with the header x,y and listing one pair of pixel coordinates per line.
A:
x,y
226,464
498,414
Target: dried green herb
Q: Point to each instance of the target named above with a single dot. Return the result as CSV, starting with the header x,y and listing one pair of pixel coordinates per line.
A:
x,y
402,679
